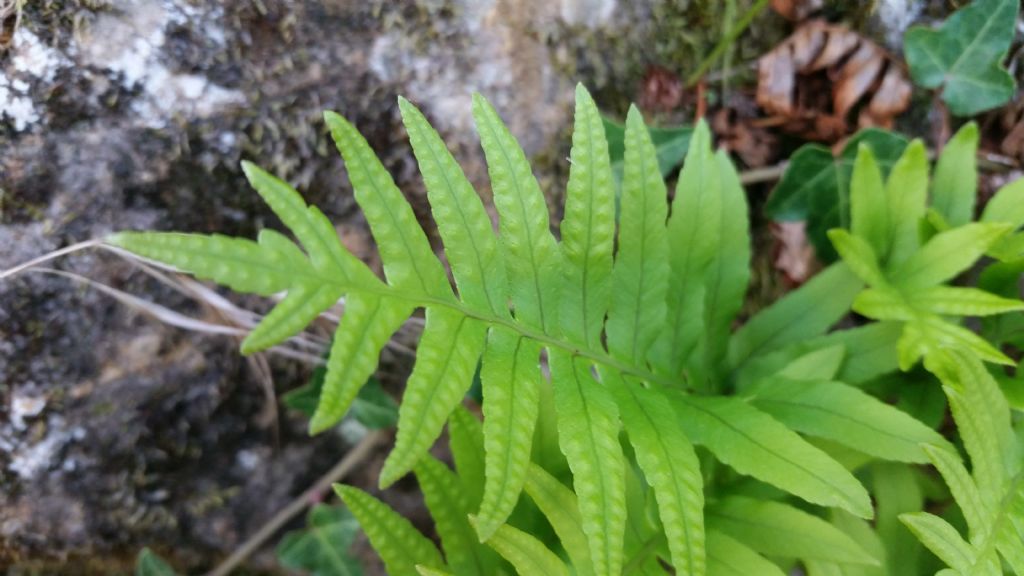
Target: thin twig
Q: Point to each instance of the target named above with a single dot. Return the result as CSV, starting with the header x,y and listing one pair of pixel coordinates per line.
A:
x,y
50,256
312,495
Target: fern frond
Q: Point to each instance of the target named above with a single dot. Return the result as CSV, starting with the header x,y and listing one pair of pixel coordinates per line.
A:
x,y
671,468
559,505
588,227
449,507
636,315
525,553
778,530
445,361
753,443
399,545
728,557
510,375
588,433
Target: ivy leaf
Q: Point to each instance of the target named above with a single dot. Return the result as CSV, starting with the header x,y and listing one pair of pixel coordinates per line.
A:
x,y
963,57
816,184
670,145
322,547
149,564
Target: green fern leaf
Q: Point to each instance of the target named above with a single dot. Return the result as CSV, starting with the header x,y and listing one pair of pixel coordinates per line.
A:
x,y
560,507
636,315
693,234
962,486
1007,206
778,530
946,255
465,227
588,228
445,361
525,553
728,557
670,466
366,326
944,541
532,257
449,507
399,545
728,273
511,386
858,255
955,301
753,443
907,193
869,216
848,416
800,315
588,431
955,182
409,262
466,440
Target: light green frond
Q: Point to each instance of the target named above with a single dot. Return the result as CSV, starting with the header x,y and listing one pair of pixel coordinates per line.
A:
x,y
510,375
963,488
366,326
858,255
781,531
869,215
943,540
445,361
525,553
728,273
800,315
588,228
755,444
671,467
301,306
264,268
532,257
728,557
848,416
409,262
466,440
907,193
955,182
956,301
588,433
308,224
693,236
465,227
449,507
637,312
946,255
399,545
559,506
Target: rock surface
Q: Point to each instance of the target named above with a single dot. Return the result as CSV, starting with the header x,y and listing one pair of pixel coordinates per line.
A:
x,y
118,431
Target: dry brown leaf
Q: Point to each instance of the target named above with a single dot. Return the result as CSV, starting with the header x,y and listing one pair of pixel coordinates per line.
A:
x,y
10,14
1011,120
822,73
661,90
794,255
736,130
797,10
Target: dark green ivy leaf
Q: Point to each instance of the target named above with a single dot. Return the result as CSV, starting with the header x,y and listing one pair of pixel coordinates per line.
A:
x,y
322,547
670,145
964,56
816,185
